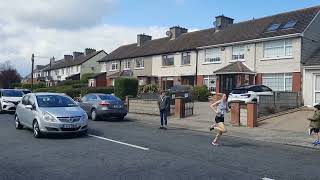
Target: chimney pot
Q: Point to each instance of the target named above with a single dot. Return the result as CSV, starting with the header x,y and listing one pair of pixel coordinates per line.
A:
x,y
223,22
77,54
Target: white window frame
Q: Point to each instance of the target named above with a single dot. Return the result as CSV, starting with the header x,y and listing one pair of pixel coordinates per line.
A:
x,y
315,91
285,77
285,44
212,55
238,53
114,66
185,58
166,58
127,64
139,65
210,78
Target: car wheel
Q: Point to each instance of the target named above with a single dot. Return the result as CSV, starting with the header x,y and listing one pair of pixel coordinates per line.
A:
x,y
121,118
94,116
18,125
84,133
36,130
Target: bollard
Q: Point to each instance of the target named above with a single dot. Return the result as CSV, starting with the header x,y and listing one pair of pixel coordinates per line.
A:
x,y
179,107
235,113
252,114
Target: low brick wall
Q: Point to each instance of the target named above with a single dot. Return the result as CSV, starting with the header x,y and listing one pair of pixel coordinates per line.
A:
x,y
145,106
243,115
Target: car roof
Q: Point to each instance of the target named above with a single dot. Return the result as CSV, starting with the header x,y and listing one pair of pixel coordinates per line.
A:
x,y
97,94
47,93
247,86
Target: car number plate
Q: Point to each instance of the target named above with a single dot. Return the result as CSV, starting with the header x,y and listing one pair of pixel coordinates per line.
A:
x,y
69,126
117,106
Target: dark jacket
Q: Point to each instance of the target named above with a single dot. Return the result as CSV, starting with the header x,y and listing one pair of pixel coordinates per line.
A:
x,y
315,120
164,103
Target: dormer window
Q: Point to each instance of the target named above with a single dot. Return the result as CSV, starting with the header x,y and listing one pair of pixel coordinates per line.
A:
x,y
273,27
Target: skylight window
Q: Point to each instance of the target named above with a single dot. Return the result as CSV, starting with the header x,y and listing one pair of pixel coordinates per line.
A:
x,y
290,24
273,27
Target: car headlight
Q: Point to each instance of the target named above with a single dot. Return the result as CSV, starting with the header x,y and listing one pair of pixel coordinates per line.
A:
x,y
48,117
85,116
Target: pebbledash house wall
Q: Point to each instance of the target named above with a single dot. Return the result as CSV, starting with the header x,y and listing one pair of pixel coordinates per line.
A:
x,y
253,58
87,66
311,43
178,69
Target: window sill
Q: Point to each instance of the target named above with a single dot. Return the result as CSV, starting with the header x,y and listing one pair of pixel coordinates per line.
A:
x,y
113,70
205,63
238,60
126,69
167,66
182,65
277,58
139,68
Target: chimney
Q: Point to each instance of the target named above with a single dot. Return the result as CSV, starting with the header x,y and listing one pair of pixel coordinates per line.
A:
x,y
89,51
52,61
142,38
223,22
77,54
176,31
68,57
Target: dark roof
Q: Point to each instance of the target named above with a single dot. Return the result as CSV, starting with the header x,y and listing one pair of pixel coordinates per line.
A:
x,y
242,31
234,68
98,74
81,59
314,59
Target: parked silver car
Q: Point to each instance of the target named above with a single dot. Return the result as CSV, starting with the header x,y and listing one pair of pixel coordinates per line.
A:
x,y
103,105
50,113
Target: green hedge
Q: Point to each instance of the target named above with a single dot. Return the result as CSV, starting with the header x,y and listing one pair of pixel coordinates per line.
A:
x,y
98,90
126,87
86,77
200,93
69,82
35,86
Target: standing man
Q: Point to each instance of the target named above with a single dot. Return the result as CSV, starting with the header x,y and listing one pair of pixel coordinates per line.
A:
x,y
164,105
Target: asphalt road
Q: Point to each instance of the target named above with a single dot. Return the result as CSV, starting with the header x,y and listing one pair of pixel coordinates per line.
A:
x,y
132,150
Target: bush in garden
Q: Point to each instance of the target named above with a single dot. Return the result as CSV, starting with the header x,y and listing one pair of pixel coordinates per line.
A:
x,y
79,85
103,90
86,77
26,86
16,85
68,82
200,93
126,87
149,88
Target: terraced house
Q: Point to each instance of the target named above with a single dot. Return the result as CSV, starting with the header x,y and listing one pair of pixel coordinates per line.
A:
x,y
73,66
270,50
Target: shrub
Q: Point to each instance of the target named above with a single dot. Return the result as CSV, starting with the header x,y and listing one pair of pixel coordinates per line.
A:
x,y
200,93
97,90
126,86
68,82
86,77
80,85
26,86
16,85
72,92
149,88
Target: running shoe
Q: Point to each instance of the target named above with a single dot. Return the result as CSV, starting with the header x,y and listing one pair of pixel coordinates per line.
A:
x,y
309,131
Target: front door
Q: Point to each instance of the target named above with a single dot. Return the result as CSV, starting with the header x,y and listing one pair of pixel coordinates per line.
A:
x,y
228,83
316,95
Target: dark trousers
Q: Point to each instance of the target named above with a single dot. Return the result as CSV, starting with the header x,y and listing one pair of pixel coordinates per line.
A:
x,y
163,116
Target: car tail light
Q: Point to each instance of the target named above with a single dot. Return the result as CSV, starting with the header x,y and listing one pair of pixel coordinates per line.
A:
x,y
104,103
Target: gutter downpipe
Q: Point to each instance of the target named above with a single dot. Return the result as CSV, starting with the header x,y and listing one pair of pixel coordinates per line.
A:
x,y
196,79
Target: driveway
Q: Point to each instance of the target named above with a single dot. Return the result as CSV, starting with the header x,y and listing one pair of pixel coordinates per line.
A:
x,y
133,150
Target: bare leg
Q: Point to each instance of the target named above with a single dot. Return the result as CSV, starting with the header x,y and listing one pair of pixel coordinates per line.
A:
x,y
221,129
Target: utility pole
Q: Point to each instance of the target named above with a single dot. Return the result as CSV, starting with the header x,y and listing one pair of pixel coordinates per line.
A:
x,y
32,69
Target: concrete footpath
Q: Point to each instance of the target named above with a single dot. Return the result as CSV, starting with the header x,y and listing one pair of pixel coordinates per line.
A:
x,y
271,130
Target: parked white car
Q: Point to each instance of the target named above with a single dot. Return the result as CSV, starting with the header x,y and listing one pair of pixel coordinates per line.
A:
x,y
9,99
50,113
249,93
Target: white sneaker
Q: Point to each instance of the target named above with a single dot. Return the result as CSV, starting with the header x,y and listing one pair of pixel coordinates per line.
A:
x,y
309,131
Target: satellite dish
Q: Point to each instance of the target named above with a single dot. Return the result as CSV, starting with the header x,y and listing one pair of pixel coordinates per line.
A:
x,y
168,33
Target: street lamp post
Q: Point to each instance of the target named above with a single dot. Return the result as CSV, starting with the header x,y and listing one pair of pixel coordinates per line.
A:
x,y
32,69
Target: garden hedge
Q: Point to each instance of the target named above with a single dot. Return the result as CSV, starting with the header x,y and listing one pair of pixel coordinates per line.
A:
x,y
200,93
126,87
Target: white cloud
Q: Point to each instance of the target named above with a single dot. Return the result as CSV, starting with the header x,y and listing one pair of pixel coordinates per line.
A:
x,y
59,27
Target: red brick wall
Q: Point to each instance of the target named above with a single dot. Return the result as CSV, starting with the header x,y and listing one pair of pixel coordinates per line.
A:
x,y
259,79
199,80
296,81
109,82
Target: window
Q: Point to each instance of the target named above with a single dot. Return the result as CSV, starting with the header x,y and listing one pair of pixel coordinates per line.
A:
x,y
290,24
127,64
67,70
273,27
78,68
274,49
56,72
92,68
114,66
168,60
92,97
238,52
113,80
278,82
185,59
210,82
139,63
212,55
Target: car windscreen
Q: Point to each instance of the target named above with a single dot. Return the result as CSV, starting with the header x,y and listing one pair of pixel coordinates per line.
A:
x,y
239,91
11,93
109,98
26,92
55,101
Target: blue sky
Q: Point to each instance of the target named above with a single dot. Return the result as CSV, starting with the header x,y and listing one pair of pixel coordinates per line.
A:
x,y
197,14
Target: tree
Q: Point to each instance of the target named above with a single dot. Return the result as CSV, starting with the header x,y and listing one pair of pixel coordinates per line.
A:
x,y
8,75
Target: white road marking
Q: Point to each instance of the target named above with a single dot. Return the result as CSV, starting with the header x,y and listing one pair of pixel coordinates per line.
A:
x,y
265,178
119,142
